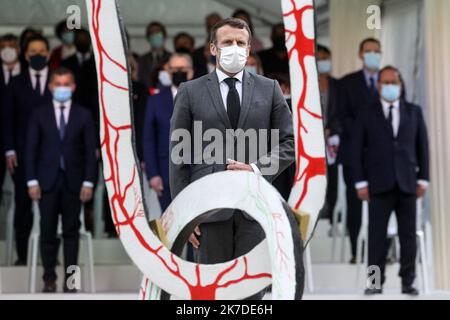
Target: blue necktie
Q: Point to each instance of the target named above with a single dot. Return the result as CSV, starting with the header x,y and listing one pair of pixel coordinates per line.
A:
x,y
62,131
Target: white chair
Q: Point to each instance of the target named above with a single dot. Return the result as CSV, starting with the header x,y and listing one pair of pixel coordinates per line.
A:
x,y
422,255
339,208
33,250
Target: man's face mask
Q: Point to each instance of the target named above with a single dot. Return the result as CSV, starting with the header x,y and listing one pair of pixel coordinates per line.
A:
x,y
233,58
178,78
68,38
372,60
164,78
391,92
8,55
324,66
156,40
38,62
62,94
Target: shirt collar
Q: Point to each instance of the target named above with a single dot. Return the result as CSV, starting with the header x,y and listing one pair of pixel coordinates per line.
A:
x,y
57,105
222,75
15,69
367,75
42,72
386,105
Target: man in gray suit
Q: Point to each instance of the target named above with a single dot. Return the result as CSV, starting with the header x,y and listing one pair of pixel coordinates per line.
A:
x,y
226,100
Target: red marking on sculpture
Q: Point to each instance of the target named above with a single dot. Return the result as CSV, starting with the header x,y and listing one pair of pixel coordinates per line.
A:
x,y
118,197
305,47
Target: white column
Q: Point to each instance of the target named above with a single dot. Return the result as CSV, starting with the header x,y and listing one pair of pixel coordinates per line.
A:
x,y
348,27
437,44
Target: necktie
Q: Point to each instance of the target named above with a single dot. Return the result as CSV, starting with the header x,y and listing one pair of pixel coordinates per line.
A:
x,y
10,75
373,88
62,131
390,119
37,88
233,102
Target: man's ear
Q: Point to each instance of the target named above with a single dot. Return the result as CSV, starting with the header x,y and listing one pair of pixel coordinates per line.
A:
x,y
213,49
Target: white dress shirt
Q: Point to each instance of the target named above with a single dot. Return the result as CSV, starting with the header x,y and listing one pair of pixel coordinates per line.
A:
x,y
57,108
15,71
224,89
42,79
395,126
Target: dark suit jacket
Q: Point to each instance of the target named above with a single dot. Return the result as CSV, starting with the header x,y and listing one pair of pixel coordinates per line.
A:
x,y
44,148
146,67
354,95
20,101
390,161
331,111
140,96
263,108
157,133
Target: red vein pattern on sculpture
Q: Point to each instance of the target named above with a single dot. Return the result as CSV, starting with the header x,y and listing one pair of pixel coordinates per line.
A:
x,y
118,197
305,47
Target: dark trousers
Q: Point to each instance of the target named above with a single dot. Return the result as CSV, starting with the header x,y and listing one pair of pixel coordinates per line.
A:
x,y
59,201
23,215
354,206
331,194
380,208
2,174
226,240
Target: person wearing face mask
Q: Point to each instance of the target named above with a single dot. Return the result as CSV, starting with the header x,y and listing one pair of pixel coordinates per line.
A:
x,y
11,67
25,92
184,43
391,171
229,98
254,64
329,99
67,47
61,170
356,90
275,60
156,35
157,128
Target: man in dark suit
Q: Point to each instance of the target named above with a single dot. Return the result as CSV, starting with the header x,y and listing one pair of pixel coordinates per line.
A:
x,y
157,128
230,98
357,90
61,170
11,67
329,95
156,34
26,92
275,59
392,173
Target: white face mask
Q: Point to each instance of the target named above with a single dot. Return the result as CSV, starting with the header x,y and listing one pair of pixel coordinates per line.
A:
x,y
233,58
8,55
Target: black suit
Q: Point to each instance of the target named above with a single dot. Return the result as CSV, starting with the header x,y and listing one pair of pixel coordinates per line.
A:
x,y
3,88
392,165
354,94
20,100
60,184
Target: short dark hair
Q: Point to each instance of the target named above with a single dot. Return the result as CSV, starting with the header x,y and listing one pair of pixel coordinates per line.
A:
x,y
243,12
367,40
156,24
184,35
390,68
36,37
9,37
62,71
324,49
60,27
232,22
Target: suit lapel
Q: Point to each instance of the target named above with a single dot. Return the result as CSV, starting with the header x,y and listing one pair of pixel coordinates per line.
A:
x,y
52,115
70,121
404,118
247,93
216,97
387,126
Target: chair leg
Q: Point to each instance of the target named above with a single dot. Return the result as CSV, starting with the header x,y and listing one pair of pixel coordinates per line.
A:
x,y
423,262
308,265
34,258
90,262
